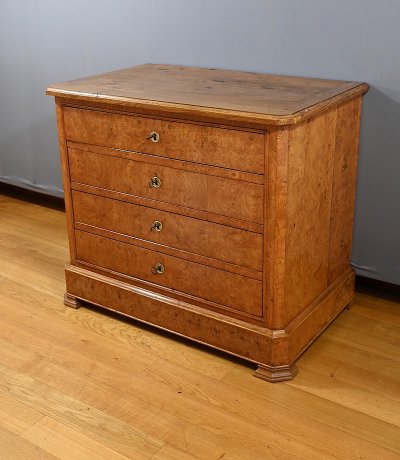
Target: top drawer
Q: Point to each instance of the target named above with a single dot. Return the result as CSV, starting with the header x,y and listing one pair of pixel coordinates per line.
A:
x,y
228,148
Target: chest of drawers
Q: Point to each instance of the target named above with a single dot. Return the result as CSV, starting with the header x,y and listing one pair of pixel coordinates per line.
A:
x,y
214,204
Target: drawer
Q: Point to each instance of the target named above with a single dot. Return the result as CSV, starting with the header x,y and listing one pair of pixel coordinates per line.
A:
x,y
219,195
208,283
220,242
227,148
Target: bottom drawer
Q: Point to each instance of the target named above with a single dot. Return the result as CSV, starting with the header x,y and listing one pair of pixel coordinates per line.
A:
x,y
208,283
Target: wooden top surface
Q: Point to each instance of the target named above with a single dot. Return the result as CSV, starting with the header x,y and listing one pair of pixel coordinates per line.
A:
x,y
247,96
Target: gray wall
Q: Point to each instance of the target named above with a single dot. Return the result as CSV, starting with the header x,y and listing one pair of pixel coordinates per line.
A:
x,y
52,40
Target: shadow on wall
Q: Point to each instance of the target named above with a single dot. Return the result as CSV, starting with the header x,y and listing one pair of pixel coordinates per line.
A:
x,y
377,216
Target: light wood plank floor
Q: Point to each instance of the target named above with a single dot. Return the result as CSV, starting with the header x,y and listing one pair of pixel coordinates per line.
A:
x,y
81,384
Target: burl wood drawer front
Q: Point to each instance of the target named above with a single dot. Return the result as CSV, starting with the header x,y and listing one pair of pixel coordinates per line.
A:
x,y
228,197
227,148
220,242
224,288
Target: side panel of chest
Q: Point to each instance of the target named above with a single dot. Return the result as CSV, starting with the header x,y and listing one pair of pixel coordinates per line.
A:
x,y
310,204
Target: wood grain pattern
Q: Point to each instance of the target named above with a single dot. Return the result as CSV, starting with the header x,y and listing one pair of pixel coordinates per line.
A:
x,y
171,251
217,241
17,417
308,210
310,203
178,164
343,187
66,178
275,226
65,443
272,348
116,434
243,294
13,446
169,452
196,403
240,96
225,148
168,207
237,199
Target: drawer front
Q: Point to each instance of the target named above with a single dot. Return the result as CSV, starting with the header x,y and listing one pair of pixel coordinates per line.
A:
x,y
228,197
220,242
224,288
227,148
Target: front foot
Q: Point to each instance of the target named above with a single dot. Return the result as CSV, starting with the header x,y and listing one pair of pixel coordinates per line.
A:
x,y
71,301
275,373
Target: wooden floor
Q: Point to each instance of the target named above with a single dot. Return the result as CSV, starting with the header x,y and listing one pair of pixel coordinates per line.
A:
x,y
81,384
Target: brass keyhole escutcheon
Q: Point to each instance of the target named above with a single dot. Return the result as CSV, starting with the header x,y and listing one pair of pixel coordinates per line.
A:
x,y
158,269
154,136
155,182
157,226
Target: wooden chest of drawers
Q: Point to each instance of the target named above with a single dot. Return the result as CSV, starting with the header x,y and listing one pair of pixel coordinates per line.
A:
x,y
215,204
